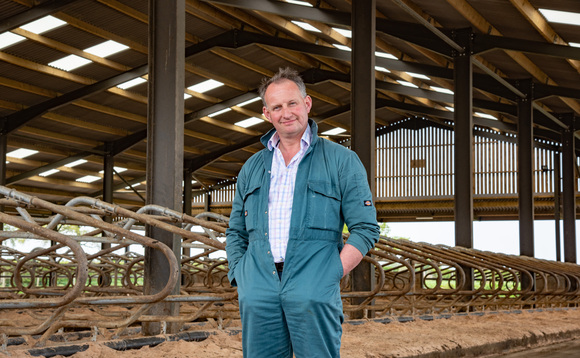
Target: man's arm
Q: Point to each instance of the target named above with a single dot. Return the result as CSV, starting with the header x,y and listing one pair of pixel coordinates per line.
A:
x,y
236,234
350,257
359,212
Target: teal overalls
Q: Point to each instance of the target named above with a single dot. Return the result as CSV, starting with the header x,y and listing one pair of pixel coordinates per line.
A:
x,y
301,312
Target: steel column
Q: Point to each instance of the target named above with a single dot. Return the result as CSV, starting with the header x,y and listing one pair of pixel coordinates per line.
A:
x,y
363,114
3,151
463,149
569,189
557,201
164,141
526,171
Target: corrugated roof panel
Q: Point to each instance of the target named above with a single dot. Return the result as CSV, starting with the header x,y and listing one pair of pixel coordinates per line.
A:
x,y
117,102
35,78
9,9
111,20
100,118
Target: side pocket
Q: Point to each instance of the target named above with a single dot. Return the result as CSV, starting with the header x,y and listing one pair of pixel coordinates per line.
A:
x,y
237,271
251,207
339,263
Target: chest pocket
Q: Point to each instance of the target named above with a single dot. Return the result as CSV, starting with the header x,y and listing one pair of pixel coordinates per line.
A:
x,y
252,207
323,202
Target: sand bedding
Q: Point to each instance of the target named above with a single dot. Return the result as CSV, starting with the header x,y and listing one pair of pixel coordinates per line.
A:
x,y
476,335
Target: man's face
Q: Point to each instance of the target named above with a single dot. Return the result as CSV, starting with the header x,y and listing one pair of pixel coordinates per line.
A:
x,y
287,109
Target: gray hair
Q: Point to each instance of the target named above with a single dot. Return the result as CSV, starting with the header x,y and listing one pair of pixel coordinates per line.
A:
x,y
286,73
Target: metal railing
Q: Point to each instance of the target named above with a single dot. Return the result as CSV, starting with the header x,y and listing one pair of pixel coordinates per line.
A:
x,y
62,288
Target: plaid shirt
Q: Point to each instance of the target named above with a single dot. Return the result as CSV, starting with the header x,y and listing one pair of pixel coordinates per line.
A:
x,y
282,180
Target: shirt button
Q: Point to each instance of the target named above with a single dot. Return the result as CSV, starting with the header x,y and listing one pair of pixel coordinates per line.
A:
x,y
268,252
273,272
266,234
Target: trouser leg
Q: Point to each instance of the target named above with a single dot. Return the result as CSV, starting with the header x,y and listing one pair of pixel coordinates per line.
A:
x,y
264,328
315,323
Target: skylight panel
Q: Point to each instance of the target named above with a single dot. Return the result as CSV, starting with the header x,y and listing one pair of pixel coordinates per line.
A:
x,y
249,122
450,109
418,75
441,90
343,32
382,69
334,131
187,96
106,48
88,179
561,17
70,62
75,163
342,47
49,172
225,110
248,101
574,44
385,55
407,84
205,86
485,115
43,25
306,26
297,2
131,83
8,39
21,153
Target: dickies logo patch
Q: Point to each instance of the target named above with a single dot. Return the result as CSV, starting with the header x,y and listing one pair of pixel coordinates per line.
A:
x,y
368,203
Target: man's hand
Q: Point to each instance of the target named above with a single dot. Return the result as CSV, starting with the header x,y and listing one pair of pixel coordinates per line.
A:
x,y
350,257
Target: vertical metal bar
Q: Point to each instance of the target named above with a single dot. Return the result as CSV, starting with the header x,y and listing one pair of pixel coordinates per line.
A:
x,y
526,172
164,141
557,205
108,165
3,151
207,201
363,113
187,200
569,192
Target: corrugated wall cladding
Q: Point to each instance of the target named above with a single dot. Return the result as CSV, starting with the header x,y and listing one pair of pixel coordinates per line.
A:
x,y
224,195
419,163
415,163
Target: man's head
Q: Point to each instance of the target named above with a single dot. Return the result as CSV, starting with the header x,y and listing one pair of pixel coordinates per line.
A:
x,y
286,104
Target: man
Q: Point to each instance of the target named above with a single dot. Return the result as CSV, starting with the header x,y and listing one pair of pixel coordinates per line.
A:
x,y
284,242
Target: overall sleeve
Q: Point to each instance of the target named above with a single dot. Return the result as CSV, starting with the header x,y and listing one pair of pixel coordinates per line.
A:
x,y
358,209
236,234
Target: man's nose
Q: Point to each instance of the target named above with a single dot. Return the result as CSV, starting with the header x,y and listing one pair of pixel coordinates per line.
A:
x,y
286,112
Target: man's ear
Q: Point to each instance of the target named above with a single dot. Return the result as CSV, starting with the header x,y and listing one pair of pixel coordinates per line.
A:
x,y
266,113
308,102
